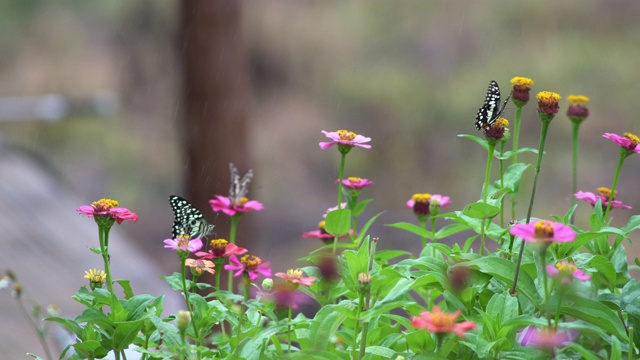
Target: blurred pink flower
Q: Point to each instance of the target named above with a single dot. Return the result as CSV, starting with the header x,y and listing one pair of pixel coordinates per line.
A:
x,y
628,141
250,264
345,138
545,338
199,266
355,183
108,207
183,243
543,230
440,322
427,204
567,269
603,194
224,204
318,234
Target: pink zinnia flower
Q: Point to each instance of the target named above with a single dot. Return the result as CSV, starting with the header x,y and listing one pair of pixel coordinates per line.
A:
x,y
345,138
545,338
296,277
567,269
425,204
342,206
604,194
183,243
543,230
321,233
628,141
221,248
355,183
224,204
440,322
252,265
108,207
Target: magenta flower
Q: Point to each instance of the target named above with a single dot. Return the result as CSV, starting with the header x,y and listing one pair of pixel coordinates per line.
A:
x,y
224,204
345,138
221,248
342,206
440,322
543,230
249,264
566,269
355,183
604,194
108,207
321,233
628,141
546,338
427,204
183,243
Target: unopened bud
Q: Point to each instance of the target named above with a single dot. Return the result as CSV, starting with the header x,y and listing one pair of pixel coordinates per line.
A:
x,y
183,319
267,284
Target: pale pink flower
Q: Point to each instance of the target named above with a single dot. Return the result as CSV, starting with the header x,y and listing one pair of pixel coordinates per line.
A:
x,y
108,207
296,277
628,141
566,269
200,266
355,183
546,338
345,138
543,230
183,243
592,199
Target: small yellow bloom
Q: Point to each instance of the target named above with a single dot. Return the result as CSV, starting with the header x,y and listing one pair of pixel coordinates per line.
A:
x,y
547,96
95,275
522,82
421,198
578,100
606,192
502,122
634,138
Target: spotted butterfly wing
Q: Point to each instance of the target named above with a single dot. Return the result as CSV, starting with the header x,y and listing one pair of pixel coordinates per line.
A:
x,y
491,109
188,219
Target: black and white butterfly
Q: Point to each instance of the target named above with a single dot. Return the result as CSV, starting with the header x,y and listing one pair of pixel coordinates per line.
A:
x,y
238,188
491,109
188,219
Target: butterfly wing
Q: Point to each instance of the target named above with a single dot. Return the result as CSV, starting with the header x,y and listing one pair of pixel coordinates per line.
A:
x,y
188,220
490,110
238,187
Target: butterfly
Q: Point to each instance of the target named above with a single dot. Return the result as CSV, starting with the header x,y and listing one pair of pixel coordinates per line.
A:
x,y
188,219
491,109
238,188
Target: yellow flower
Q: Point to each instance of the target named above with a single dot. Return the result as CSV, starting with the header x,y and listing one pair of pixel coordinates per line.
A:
x,y
578,100
520,81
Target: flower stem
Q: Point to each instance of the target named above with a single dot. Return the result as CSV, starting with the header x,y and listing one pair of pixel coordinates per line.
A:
x,y
615,184
232,240
356,328
183,266
543,137
545,282
40,331
423,224
104,250
487,171
289,317
343,160
574,163
501,162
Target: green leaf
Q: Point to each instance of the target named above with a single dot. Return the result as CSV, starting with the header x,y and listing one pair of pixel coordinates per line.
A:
x,y
449,230
481,141
480,210
503,307
616,349
338,222
365,228
380,351
361,206
326,323
124,334
126,287
513,176
411,228
586,354
504,270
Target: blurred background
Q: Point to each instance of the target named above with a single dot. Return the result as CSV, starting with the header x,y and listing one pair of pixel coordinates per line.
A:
x,y
138,100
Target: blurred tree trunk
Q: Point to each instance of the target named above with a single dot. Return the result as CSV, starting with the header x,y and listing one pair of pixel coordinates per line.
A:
x,y
216,99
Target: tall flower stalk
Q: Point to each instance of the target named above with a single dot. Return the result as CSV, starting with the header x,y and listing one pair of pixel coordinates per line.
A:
x,y
576,112
520,97
629,144
547,108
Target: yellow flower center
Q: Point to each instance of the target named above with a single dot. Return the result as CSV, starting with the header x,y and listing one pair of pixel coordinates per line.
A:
x,y
354,179
346,135
501,122
578,100
443,320
95,275
548,97
104,204
543,229
566,267
421,198
634,139
250,262
295,274
606,192
521,81
218,245
183,240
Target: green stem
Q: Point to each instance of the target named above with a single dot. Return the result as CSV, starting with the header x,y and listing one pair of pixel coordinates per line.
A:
x,y
103,233
632,351
185,289
543,137
614,185
545,283
487,171
232,240
39,332
343,160
514,156
423,224
354,347
290,316
574,163
501,163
